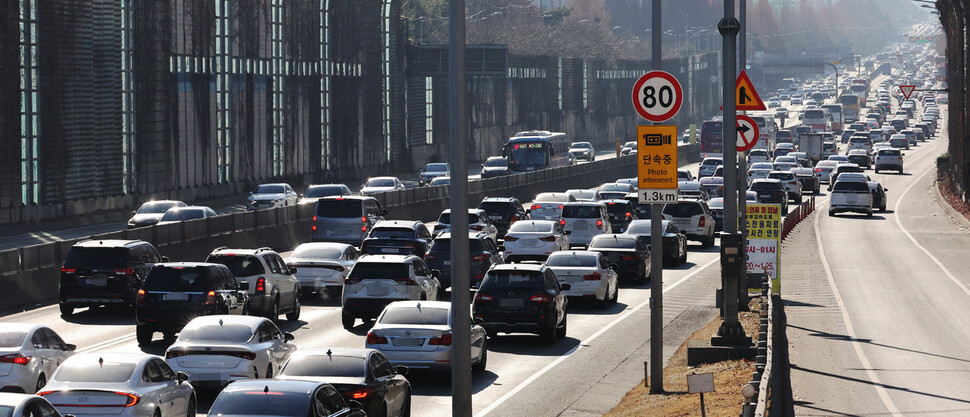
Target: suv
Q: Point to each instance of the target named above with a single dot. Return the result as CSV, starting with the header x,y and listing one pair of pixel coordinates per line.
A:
x,y
694,218
345,219
483,254
104,272
272,287
583,221
378,280
889,159
399,237
771,191
851,195
432,171
621,212
503,211
708,166
495,166
478,222
792,186
582,150
859,157
175,293
522,298
272,195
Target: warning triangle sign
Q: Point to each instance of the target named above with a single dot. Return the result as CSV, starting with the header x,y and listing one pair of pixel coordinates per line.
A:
x,y
907,90
746,96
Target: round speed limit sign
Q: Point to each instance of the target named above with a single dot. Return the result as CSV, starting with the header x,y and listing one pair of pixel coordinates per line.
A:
x,y
657,96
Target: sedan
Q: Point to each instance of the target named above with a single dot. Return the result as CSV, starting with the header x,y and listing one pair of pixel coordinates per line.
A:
x,y
283,399
216,350
418,334
534,239
26,405
582,150
151,212
125,384
674,240
629,254
610,191
588,274
322,266
381,185
181,214
29,354
362,375
478,222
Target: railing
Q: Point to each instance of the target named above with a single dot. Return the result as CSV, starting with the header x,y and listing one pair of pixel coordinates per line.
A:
x,y
769,393
796,216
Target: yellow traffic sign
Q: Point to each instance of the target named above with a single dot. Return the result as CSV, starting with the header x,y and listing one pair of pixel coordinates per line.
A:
x,y
657,163
746,97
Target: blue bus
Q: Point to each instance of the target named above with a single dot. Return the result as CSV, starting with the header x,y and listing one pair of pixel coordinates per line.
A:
x,y
536,149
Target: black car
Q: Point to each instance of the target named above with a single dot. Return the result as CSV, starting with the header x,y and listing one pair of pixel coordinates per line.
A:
x,y
362,375
809,180
878,195
483,254
397,237
175,293
273,397
495,166
104,272
771,191
522,298
629,253
503,211
860,159
621,213
674,240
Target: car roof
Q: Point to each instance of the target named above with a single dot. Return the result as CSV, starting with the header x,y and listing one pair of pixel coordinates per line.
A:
x,y
223,250
107,243
20,327
382,178
385,258
518,267
470,211
500,199
294,386
774,180
416,303
348,197
13,399
320,245
574,252
272,183
188,264
584,203
251,321
397,223
122,357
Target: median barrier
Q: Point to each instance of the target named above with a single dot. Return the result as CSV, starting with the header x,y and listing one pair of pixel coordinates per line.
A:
x,y
10,262
37,257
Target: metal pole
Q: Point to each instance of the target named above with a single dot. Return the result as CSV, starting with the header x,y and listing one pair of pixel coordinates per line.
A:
x,y
656,243
743,168
461,381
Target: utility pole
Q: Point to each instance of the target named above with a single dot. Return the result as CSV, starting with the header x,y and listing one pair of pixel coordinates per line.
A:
x,y
743,169
656,241
461,381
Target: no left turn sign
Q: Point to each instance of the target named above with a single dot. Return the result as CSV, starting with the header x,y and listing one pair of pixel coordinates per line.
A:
x,y
657,96
747,133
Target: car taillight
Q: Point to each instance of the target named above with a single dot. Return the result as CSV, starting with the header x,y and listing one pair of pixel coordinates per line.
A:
x,y
141,297
628,258
476,227
405,281
541,298
482,257
131,400
560,207
261,285
515,218
360,394
545,239
702,222
444,340
818,169
535,207
16,358
510,238
599,224
68,270
210,297
628,215
592,277
440,226
562,222
479,298
125,271
364,227
374,339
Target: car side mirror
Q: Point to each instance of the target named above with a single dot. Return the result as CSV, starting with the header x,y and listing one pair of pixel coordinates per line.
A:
x,y
569,232
479,321
165,259
501,248
132,212
401,370
885,189
70,347
181,376
528,211
614,266
384,212
565,287
292,271
244,285
288,337
435,273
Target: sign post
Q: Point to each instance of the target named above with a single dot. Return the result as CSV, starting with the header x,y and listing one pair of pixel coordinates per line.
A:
x,y
764,242
699,384
657,164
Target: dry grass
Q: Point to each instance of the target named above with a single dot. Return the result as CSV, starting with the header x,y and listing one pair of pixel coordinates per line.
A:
x,y
729,377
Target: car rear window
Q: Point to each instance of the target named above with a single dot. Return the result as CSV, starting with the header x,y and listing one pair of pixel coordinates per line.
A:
x,y
531,227
551,198
572,259
850,186
683,209
617,208
580,212
513,280
156,207
309,252
323,191
88,258
392,233
223,333
496,208
339,209
612,242
240,265
445,218
615,187
326,365
416,315
889,152
375,270
781,175
260,403
181,279
444,246
95,372
765,186
181,214
12,339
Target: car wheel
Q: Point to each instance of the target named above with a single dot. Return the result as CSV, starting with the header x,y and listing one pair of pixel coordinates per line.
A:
x,y
549,335
158,413
616,294
561,333
295,314
190,411
483,361
831,213
348,321
66,310
269,371
274,314
869,214
143,335
605,302
41,381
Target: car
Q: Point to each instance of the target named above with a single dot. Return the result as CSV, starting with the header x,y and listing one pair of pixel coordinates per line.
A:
x,y
692,190
926,128
782,149
378,185
522,298
682,175
781,112
181,214
786,159
629,255
899,141
809,180
418,334
534,240
859,157
612,191
345,219
584,220
838,159
829,149
151,212
271,196
910,136
635,181
378,280
26,405
548,206
708,166
317,191
796,100
104,272
848,133
322,267
273,290
214,351
674,240
758,155
503,212
582,150
397,237
581,195
754,174
784,136
439,181
125,384
628,148
878,195
771,191
29,354
175,293
495,166
716,205
774,102
714,186
283,398
859,142
432,171
762,165
621,212
478,222
850,196
801,159
483,253
361,375
841,169
588,274
889,159
694,218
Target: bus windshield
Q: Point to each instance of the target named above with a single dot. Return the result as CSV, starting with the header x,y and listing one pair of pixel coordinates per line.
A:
x,y
849,100
528,156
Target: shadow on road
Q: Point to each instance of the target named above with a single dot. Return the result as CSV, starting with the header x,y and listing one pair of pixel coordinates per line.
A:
x,y
524,345
102,316
834,336
439,383
886,386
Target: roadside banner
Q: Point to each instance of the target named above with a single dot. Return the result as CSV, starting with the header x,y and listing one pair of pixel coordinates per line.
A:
x,y
764,242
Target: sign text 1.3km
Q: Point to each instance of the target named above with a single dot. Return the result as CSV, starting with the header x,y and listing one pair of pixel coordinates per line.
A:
x,y
657,164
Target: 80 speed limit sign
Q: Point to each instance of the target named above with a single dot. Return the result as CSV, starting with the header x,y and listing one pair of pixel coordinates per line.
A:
x,y
657,96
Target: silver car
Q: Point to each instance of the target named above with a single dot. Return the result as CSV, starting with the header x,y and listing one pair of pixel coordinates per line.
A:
x,y
322,266
381,185
29,354
418,334
478,222
25,405
151,212
583,221
181,214
588,274
345,219
548,206
272,195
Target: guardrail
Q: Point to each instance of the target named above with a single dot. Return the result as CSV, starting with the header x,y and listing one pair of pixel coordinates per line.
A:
x,y
796,216
769,393
29,275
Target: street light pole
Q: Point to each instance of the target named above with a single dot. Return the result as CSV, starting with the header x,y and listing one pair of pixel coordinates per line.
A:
x,y
656,241
743,168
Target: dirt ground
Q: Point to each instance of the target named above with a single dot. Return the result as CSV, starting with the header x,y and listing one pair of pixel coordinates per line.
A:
x,y
729,377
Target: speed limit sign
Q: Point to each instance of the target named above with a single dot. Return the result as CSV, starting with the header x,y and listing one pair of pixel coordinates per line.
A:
x,y
657,96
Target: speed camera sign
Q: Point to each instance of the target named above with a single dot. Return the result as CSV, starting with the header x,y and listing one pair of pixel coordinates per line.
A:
x,y
657,96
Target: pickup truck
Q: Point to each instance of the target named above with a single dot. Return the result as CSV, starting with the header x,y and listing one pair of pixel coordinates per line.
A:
x,y
851,196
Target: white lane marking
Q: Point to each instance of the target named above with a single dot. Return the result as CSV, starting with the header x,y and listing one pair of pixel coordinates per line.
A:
x,y
588,340
849,329
110,342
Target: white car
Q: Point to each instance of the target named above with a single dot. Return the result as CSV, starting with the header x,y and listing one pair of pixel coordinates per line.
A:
x,y
708,166
478,222
582,150
850,195
272,195
119,384
889,159
839,159
272,287
588,274
432,171
216,350
378,280
534,240
151,212
418,334
757,174
181,214
758,155
694,218
26,405
29,355
317,191
628,148
790,181
322,266
381,185
548,206
583,195
824,170
634,182
583,221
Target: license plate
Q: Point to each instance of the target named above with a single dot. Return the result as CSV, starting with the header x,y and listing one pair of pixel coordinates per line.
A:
x,y
407,341
497,218
511,303
175,296
447,263
97,282
388,250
